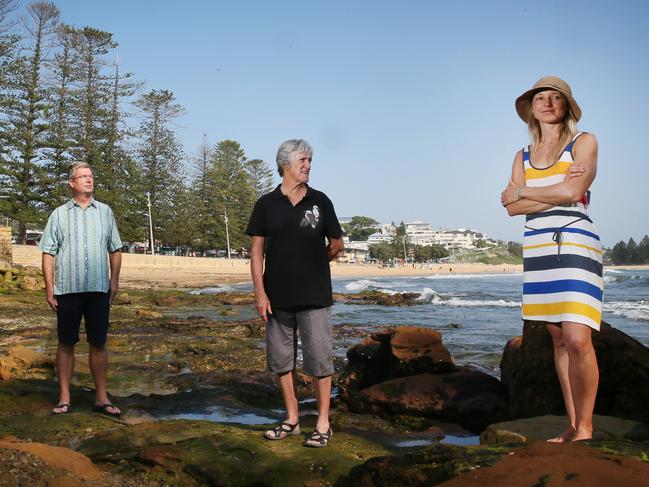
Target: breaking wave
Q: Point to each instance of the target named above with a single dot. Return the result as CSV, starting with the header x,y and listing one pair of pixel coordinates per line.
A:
x,y
432,297
635,310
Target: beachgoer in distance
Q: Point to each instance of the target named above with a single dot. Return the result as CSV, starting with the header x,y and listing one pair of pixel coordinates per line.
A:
x,y
293,292
562,254
80,242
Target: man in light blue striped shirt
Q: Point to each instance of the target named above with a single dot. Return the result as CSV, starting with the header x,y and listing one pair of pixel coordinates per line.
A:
x,y
79,244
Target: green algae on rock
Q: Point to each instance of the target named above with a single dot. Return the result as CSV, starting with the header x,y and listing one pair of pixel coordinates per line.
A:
x,y
428,466
232,454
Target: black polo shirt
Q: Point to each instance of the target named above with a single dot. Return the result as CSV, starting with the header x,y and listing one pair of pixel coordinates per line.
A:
x,y
296,270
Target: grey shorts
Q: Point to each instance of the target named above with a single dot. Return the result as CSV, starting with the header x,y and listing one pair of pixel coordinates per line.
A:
x,y
314,326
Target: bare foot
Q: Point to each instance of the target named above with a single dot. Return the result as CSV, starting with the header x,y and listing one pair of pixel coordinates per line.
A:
x,y
582,435
566,436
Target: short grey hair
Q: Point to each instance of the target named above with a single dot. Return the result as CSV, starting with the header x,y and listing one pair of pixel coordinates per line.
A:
x,y
286,151
75,166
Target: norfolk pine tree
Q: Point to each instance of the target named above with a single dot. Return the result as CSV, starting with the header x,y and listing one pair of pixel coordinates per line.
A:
x,y
123,188
160,157
91,101
198,220
8,45
230,190
261,176
60,114
24,172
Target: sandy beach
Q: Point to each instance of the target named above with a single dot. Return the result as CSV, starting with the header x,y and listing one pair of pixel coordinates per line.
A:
x,y
138,273
161,271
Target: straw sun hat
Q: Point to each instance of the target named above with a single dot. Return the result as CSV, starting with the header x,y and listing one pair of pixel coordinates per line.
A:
x,y
524,102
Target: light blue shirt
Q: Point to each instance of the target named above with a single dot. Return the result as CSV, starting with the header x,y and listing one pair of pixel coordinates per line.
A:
x,y
81,239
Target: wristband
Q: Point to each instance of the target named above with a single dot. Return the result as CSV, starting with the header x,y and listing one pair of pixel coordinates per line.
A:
x,y
518,192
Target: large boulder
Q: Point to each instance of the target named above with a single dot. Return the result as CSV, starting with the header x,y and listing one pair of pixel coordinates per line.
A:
x,y
527,370
406,370
470,398
396,352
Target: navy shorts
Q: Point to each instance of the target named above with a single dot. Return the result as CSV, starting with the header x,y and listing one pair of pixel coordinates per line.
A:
x,y
95,310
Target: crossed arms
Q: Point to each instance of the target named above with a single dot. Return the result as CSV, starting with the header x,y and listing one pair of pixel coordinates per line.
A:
x,y
519,199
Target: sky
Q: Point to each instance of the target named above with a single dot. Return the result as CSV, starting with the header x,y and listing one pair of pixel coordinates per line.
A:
x,y
409,105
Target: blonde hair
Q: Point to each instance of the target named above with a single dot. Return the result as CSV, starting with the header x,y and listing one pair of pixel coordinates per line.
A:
x,y
568,131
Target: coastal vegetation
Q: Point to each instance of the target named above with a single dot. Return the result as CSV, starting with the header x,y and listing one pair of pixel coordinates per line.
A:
x,y
503,253
360,227
388,251
630,252
64,97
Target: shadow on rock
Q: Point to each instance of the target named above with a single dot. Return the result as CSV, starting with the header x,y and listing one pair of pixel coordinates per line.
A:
x,y
407,370
527,370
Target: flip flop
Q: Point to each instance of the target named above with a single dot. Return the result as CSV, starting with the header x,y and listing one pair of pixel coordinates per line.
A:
x,y
65,407
103,409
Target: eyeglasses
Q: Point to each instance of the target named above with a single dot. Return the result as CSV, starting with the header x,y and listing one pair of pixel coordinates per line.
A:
x,y
85,176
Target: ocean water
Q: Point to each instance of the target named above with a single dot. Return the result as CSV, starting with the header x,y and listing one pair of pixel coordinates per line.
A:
x,y
476,313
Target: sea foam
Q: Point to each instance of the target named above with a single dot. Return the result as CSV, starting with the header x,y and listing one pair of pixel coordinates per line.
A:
x,y
635,310
214,290
430,296
471,276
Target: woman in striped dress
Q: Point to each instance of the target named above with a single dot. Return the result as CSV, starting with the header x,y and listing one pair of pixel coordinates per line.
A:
x,y
562,253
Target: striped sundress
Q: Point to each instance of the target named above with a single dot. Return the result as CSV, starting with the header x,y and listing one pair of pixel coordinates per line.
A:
x,y
562,255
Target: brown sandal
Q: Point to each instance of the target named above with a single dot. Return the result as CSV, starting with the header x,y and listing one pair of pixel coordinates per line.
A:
x,y
282,430
317,439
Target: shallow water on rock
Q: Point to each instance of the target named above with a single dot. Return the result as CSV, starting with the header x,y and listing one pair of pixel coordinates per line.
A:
x,y
224,415
461,440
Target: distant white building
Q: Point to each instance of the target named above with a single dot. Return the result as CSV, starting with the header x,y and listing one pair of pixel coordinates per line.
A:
x,y
385,234
460,239
354,251
422,233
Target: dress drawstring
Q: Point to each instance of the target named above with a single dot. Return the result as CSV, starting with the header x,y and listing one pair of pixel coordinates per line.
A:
x,y
557,236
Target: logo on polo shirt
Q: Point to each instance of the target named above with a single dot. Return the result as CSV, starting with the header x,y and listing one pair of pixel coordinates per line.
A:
x,y
311,217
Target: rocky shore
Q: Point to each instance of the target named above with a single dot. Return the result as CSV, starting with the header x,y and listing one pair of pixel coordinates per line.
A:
x,y
189,373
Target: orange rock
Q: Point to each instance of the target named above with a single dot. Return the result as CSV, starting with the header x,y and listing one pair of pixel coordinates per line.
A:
x,y
59,457
556,464
411,342
64,481
19,360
